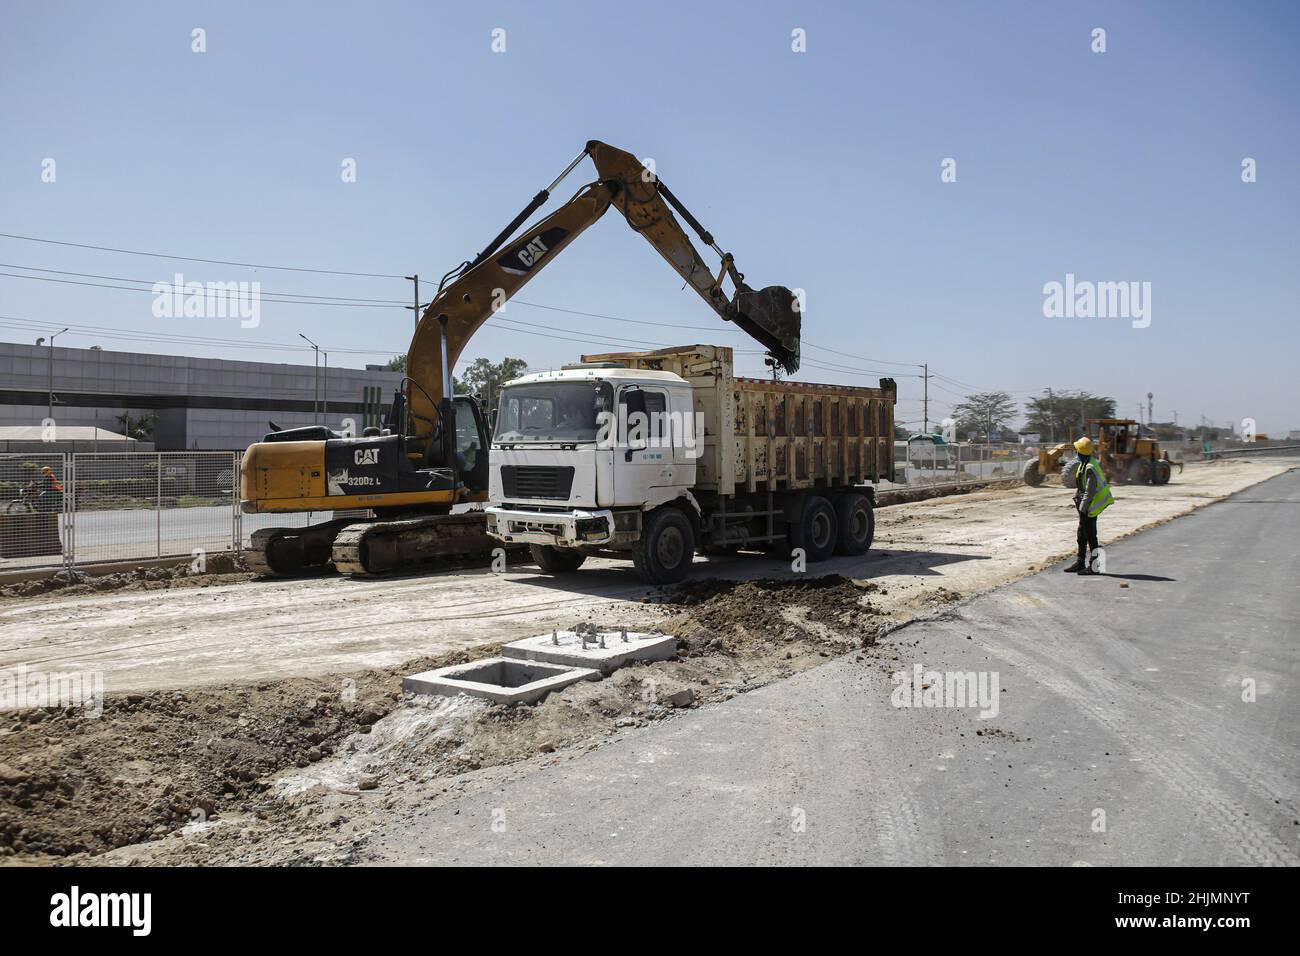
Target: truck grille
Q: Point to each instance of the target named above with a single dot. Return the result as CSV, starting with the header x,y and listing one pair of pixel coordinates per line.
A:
x,y
537,481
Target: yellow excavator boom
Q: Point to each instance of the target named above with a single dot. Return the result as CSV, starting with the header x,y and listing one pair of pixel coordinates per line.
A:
x,y
473,292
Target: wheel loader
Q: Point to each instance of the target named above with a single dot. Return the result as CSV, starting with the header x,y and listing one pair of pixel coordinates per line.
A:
x,y
1126,456
431,453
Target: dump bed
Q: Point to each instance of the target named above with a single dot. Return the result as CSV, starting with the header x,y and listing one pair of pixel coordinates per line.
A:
x,y
762,435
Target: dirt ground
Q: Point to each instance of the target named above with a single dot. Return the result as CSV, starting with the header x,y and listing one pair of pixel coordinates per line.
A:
x,y
216,569
263,773
262,722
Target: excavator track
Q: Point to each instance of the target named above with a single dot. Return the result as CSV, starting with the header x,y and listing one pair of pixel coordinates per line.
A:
x,y
286,552
376,547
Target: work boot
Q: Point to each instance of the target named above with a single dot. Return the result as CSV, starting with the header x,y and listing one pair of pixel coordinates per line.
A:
x,y
1075,568
1085,569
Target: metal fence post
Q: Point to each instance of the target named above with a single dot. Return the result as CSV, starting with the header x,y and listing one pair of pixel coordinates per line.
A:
x,y
158,506
69,516
236,521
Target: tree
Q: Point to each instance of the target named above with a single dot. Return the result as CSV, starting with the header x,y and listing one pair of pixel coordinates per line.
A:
x,y
983,413
1060,415
140,428
483,378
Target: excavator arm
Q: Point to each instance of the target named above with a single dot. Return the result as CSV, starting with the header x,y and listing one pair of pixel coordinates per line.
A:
x,y
472,293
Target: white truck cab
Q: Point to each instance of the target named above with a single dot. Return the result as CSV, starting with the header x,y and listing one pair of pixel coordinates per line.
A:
x,y
579,454
668,452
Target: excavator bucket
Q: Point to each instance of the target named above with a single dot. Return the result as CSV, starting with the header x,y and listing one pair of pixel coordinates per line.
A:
x,y
772,315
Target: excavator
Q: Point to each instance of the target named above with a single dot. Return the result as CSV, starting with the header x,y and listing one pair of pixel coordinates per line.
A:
x,y
431,452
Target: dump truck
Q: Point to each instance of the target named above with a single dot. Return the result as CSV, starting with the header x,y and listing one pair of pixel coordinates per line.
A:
x,y
662,454
1126,456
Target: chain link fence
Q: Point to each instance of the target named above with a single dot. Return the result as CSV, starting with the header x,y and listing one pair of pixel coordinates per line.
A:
x,y
93,507
83,508
926,464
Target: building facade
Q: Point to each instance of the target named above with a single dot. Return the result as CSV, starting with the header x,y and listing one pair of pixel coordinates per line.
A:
x,y
199,403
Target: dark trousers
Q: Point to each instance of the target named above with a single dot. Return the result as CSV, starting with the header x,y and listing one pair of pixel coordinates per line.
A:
x,y
1087,536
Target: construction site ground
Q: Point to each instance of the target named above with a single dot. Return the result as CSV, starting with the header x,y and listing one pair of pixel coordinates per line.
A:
x,y
256,721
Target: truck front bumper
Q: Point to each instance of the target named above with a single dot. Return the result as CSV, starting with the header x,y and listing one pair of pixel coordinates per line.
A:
x,y
561,529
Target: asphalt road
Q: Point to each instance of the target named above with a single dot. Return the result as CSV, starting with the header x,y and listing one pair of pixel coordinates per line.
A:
x,y
129,534
1122,735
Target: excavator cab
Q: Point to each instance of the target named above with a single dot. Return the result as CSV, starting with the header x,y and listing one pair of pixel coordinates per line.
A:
x,y
470,464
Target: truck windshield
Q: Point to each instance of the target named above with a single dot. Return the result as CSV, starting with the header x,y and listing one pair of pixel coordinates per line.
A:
x,y
552,411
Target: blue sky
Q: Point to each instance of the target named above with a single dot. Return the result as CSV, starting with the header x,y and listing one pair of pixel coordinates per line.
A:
x,y
819,170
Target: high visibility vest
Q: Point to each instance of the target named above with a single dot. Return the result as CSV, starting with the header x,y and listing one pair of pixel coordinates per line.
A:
x,y
1103,499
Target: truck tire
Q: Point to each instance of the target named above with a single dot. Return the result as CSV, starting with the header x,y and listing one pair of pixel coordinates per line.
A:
x,y
1031,475
1139,473
816,531
1067,473
1164,471
556,560
666,548
857,524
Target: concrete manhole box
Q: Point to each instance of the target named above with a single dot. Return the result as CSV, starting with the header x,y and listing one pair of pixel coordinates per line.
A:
x,y
500,679
606,651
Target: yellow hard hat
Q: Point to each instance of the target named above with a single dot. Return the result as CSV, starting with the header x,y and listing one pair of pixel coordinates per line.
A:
x,y
1084,445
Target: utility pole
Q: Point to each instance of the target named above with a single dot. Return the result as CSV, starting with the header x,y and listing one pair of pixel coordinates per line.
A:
x,y
1051,416
315,398
325,390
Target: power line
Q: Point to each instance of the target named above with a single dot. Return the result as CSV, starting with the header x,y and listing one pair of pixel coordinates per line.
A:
x,y
219,262
855,369
269,296
346,301
615,318
863,358
109,332
153,282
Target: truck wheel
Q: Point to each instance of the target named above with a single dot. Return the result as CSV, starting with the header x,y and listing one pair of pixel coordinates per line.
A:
x,y
556,560
663,553
1067,473
1164,471
816,530
1139,472
1031,475
857,524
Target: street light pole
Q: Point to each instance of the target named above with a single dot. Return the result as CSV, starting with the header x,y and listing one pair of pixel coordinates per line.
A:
x,y
49,412
925,401
325,390
415,308
315,398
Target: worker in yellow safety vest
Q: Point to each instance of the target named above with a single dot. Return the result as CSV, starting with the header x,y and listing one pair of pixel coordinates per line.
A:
x,y
1092,496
